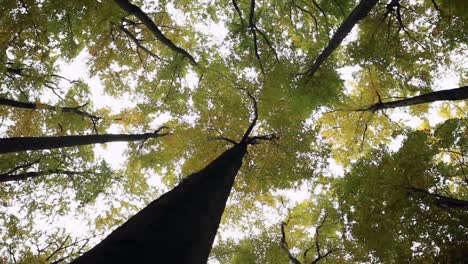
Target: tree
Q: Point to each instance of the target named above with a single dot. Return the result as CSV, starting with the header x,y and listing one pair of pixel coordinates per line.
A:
x,y
15,144
320,70
180,226
444,95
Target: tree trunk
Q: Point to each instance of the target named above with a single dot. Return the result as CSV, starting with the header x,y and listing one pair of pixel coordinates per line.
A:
x,y
441,201
30,105
16,144
180,226
460,93
132,9
358,13
6,177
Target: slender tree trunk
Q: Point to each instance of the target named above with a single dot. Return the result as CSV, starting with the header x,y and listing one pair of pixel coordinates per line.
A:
x,y
441,201
360,12
180,226
130,8
6,177
30,105
16,144
455,94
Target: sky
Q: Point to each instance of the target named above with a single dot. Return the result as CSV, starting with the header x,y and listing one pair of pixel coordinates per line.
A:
x,y
113,153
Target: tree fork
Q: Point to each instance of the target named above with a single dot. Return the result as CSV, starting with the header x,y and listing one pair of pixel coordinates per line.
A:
x,y
16,144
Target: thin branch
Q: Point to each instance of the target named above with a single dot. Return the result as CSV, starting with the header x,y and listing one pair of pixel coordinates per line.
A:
x,y
137,42
245,138
284,245
236,6
224,139
254,32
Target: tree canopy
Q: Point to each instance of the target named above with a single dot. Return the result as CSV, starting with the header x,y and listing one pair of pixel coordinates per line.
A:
x,y
363,105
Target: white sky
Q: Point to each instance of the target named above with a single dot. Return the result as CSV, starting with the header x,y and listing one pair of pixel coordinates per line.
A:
x,y
113,153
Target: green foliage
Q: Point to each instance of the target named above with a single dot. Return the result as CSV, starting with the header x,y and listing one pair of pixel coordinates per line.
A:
x,y
389,213
377,212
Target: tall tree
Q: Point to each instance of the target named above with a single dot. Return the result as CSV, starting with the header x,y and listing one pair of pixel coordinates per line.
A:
x,y
15,144
358,13
180,226
455,94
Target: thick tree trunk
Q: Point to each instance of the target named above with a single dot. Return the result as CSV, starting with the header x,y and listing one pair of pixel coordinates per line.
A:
x,y
180,226
30,105
16,144
360,12
460,93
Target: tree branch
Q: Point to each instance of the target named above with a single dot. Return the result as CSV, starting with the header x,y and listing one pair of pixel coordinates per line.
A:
x,y
284,245
137,42
245,138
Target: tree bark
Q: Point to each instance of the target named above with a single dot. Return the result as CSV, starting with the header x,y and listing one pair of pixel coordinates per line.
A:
x,y
6,177
15,144
359,12
441,201
455,94
30,105
148,22
178,227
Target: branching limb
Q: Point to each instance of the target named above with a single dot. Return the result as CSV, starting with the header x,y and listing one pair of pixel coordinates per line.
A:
x,y
317,244
245,138
137,42
224,139
236,6
284,244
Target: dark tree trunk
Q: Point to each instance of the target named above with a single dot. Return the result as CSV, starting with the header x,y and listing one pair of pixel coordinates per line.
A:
x,y
6,177
16,144
441,201
460,93
358,13
180,226
30,105
132,9
451,203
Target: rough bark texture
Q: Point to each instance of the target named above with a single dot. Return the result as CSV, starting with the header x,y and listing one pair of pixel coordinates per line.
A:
x,y
30,105
148,22
358,13
15,144
460,93
180,226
